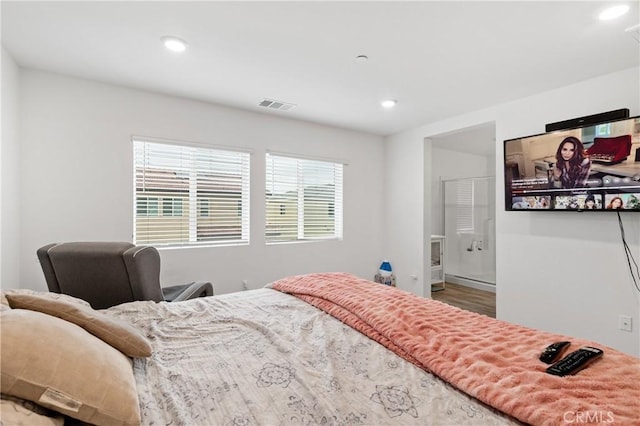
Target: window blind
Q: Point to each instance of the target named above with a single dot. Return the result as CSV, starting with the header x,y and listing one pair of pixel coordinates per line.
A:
x,y
186,195
303,199
464,205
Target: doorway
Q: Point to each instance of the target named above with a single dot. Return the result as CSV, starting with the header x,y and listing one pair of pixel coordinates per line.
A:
x,y
463,166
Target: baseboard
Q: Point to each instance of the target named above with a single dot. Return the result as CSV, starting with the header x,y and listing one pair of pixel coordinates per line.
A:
x,y
478,285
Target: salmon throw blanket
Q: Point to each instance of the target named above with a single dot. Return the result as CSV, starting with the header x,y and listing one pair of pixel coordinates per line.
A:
x,y
491,360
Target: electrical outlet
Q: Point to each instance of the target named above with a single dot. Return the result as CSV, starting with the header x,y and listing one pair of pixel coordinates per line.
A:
x,y
624,322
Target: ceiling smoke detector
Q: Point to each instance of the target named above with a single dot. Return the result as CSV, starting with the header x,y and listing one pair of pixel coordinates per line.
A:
x,y
279,105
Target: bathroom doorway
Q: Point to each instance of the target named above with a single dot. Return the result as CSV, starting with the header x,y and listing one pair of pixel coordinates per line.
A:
x,y
463,168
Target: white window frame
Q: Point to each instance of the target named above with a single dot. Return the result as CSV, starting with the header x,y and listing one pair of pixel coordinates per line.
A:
x,y
185,166
297,181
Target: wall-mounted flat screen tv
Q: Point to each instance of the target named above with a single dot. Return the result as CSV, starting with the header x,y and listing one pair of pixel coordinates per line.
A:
x,y
589,168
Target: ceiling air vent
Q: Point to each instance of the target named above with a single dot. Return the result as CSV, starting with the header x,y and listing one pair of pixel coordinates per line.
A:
x,y
279,105
634,32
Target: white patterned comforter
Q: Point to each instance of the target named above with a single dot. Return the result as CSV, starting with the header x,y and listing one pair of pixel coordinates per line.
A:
x,y
262,357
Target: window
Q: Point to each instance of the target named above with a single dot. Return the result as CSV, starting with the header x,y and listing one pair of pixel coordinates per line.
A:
x,y
303,199
147,206
204,208
171,207
603,129
464,205
186,195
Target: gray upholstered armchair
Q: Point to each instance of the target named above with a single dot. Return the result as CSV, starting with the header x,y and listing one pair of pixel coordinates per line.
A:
x,y
109,273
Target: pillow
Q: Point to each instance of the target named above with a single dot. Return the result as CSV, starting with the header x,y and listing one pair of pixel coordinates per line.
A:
x,y
57,296
118,334
58,365
18,412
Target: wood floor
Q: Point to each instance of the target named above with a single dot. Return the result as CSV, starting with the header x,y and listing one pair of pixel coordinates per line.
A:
x,y
482,302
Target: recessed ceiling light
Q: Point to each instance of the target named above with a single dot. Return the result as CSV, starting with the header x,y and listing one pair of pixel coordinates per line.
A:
x,y
362,58
389,103
174,43
613,12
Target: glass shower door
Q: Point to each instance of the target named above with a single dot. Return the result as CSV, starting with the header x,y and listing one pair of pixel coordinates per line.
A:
x,y
469,224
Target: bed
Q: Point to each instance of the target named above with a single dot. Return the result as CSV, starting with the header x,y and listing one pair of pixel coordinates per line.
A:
x,y
327,349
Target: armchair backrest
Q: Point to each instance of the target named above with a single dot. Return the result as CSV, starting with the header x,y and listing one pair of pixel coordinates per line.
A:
x,y
102,273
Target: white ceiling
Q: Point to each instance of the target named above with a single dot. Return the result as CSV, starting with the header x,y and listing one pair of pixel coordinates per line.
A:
x,y
438,59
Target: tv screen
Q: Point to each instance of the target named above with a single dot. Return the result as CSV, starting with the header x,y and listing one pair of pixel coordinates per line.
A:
x,y
590,168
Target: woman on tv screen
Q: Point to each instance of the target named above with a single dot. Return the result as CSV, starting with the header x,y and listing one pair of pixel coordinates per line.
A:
x,y
590,202
616,203
572,165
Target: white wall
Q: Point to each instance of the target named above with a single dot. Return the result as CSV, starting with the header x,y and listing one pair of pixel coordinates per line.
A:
x,y
78,179
404,189
556,272
10,176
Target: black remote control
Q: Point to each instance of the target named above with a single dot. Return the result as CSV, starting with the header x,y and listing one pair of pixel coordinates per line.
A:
x,y
553,352
575,361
